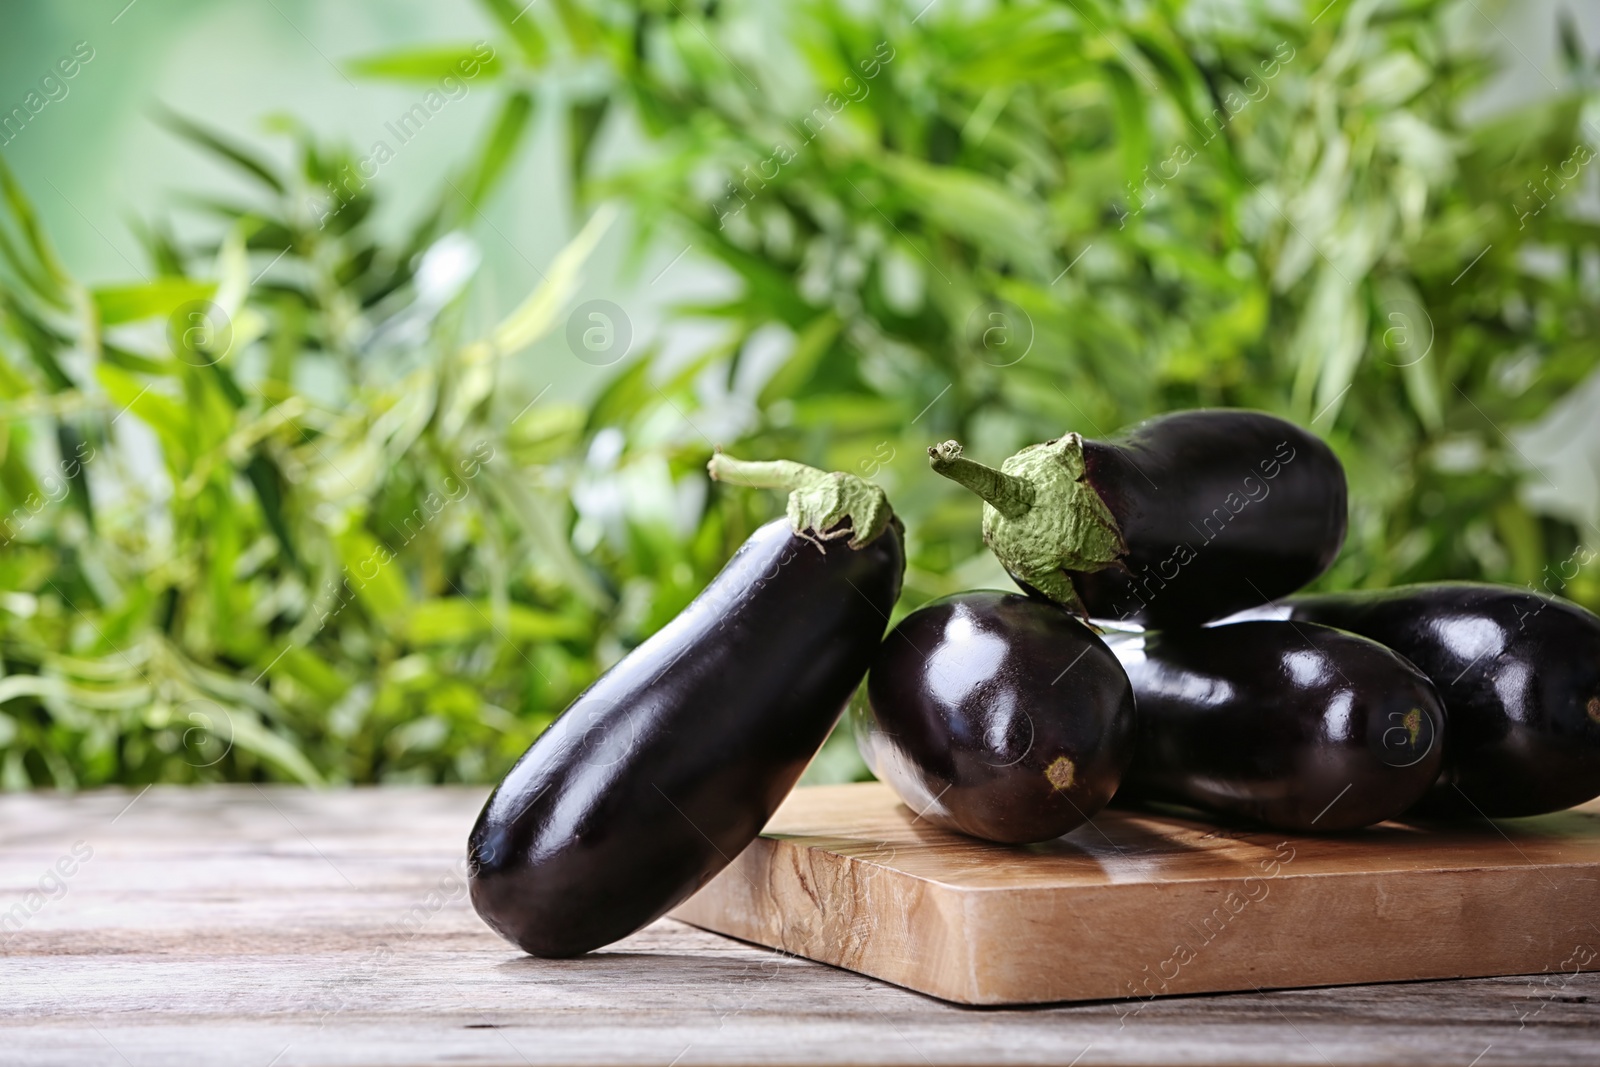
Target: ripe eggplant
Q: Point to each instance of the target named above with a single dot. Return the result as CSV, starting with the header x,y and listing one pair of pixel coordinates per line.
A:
x,y
1519,673
669,765
1298,726
998,715
1183,518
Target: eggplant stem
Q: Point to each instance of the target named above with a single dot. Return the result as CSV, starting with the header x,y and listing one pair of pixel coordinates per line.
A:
x,y
1011,497
823,505
1043,519
763,474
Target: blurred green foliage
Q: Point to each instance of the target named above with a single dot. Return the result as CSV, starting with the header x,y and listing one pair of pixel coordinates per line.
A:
x,y
271,516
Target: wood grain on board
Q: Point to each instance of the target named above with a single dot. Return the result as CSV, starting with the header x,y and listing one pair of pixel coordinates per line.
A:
x,y
285,927
1141,905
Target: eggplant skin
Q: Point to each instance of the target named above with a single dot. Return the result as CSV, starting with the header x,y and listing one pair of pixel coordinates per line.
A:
x,y
1519,673
1220,510
670,764
999,716
1297,726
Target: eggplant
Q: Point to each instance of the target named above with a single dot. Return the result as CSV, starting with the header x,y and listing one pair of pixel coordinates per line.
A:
x,y
1519,673
669,765
1297,726
999,716
1183,518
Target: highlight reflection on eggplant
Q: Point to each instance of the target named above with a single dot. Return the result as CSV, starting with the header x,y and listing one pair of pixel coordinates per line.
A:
x,y
1294,725
1519,673
1180,519
998,716
670,764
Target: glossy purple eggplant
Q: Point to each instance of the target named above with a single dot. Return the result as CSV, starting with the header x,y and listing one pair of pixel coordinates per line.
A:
x,y
1297,726
999,716
1180,519
668,766
1519,673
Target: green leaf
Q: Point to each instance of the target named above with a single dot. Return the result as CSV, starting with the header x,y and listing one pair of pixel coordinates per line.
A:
x,y
132,361
545,523
498,149
148,300
371,570
250,734
41,341
977,209
428,63
581,27
37,282
518,19
69,443
810,346
169,419
313,672
454,620
267,479
50,275
583,123
1571,43
242,158
536,315
1132,129
160,245
476,365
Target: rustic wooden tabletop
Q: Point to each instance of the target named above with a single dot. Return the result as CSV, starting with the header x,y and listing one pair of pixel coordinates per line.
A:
x,y
270,927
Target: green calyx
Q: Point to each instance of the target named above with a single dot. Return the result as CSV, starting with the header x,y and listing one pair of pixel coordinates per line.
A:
x,y
820,501
1041,518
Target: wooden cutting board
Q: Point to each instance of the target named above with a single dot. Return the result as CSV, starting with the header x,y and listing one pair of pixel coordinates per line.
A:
x,y
1138,905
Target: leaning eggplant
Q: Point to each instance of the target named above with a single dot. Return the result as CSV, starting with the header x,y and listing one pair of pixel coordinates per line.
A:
x,y
1297,726
670,764
1184,518
1519,673
999,716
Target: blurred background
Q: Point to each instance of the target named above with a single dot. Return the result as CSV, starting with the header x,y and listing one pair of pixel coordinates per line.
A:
x,y
359,363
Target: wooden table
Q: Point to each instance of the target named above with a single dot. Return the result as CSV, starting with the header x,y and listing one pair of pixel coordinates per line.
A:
x,y
274,927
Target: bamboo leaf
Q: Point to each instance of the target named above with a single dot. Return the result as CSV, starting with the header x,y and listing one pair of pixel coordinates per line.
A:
x,y
978,210
536,315
498,149
48,273
167,418
1132,128
536,514
369,568
249,734
584,118
517,20
267,479
41,341
428,64
146,300
132,361
810,346
218,145
475,366
454,620
1571,42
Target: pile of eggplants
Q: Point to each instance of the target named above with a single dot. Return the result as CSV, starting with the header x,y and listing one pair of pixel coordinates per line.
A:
x,y
1156,656
1180,542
